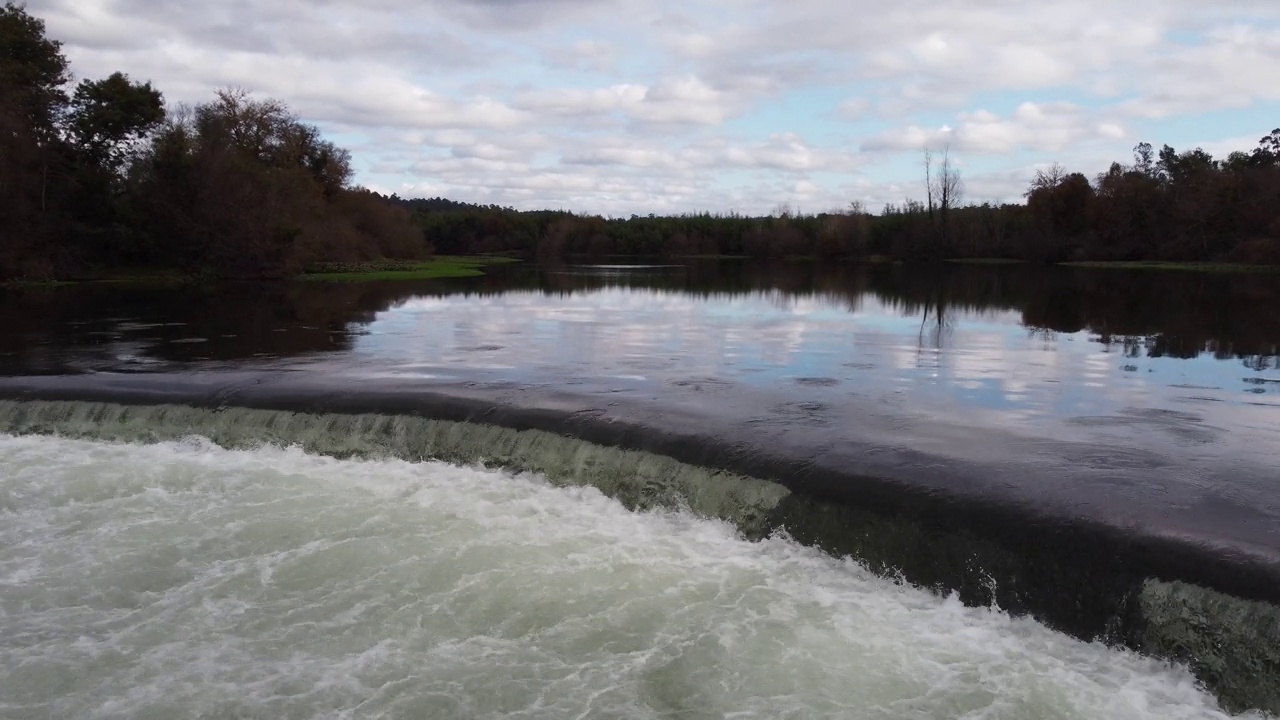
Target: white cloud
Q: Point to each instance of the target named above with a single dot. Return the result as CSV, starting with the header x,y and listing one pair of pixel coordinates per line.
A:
x,y
638,105
854,108
583,55
671,101
1233,68
632,157
1051,127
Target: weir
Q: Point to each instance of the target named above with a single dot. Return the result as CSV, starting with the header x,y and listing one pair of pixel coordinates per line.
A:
x,y
1188,602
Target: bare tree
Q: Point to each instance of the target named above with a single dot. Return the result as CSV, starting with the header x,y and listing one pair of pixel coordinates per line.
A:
x,y
1047,178
944,191
950,188
928,181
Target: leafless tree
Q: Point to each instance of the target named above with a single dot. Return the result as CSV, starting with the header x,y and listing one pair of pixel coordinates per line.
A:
x,y
1047,178
944,191
928,181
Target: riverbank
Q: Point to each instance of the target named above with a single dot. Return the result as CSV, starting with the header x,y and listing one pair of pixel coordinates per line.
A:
x,y
1183,266
435,268
443,266
464,266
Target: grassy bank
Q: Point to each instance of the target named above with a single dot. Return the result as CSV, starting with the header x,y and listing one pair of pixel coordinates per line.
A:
x,y
439,267
986,261
128,276
1183,266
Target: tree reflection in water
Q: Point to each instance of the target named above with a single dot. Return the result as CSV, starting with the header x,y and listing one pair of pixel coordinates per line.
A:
x,y
1140,313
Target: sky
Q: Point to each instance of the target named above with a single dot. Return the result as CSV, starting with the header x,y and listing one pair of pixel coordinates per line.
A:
x,y
646,106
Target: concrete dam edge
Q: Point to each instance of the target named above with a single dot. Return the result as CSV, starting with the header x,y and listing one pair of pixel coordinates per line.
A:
x,y
1187,601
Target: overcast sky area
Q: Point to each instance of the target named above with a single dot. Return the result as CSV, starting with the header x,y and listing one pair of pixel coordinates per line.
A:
x,y
639,106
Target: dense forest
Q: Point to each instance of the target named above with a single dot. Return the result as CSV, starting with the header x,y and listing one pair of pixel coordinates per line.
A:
x,y
102,177
1166,205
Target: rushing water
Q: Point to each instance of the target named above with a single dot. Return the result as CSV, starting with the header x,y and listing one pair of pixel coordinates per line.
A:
x,y
1097,449
180,580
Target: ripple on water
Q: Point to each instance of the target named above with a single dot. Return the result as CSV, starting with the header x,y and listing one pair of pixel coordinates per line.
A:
x,y
1181,426
817,381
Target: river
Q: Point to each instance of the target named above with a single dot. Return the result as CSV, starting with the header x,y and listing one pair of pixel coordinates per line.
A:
x,y
700,489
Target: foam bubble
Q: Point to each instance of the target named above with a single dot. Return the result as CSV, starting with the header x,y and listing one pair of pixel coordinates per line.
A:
x,y
180,579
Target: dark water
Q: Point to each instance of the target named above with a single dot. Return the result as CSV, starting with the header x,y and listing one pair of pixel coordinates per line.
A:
x,y
1184,357
1152,395
1128,420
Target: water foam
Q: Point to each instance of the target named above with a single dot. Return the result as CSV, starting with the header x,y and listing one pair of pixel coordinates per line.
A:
x,y
640,480
182,579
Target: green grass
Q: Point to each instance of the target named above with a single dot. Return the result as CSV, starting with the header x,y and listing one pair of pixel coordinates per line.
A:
x,y
144,276
156,278
416,271
986,261
34,284
1184,266
444,266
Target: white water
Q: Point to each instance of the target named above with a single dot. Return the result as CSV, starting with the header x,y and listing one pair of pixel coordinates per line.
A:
x,y
184,580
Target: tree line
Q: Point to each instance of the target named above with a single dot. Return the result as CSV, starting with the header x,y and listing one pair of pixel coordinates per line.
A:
x,y
1163,206
104,176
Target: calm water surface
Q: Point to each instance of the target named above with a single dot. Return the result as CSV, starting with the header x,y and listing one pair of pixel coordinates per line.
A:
x,y
1188,357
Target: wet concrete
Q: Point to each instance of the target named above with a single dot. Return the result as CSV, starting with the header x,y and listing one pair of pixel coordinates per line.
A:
x,y
1168,515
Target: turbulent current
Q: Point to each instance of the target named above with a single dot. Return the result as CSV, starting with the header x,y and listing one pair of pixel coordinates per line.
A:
x,y
183,579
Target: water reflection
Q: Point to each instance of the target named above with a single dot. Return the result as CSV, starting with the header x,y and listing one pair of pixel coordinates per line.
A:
x,y
936,312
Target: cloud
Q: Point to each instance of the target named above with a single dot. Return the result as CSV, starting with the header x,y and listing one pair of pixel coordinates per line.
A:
x,y
1233,67
854,108
583,55
627,106
682,100
1051,127
629,157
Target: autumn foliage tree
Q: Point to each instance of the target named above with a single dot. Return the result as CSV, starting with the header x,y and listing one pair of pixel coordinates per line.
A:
x,y
102,177
240,187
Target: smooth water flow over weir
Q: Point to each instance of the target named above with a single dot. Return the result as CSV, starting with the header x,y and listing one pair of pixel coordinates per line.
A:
x,y
1045,510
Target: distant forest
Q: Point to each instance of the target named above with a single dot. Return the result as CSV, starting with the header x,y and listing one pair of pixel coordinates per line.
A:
x,y
102,177
1166,205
